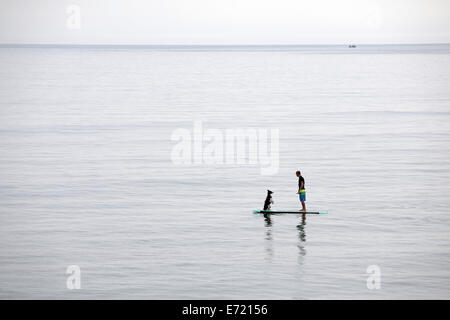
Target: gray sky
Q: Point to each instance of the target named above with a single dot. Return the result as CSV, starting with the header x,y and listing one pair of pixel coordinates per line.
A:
x,y
224,21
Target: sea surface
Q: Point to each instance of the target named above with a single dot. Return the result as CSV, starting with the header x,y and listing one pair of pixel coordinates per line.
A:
x,y
89,176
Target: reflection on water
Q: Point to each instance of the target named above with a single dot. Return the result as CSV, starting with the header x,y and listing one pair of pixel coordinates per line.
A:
x,y
268,223
302,236
269,236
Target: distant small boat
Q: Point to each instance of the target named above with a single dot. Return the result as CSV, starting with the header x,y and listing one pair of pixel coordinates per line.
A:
x,y
352,46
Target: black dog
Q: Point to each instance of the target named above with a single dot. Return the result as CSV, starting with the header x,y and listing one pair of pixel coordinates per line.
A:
x,y
268,200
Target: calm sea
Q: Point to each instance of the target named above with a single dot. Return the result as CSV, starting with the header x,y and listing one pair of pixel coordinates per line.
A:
x,y
88,177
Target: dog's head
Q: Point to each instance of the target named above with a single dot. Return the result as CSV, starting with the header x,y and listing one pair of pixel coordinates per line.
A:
x,y
269,193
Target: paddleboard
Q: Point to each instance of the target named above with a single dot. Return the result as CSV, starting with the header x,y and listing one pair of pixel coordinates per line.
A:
x,y
288,212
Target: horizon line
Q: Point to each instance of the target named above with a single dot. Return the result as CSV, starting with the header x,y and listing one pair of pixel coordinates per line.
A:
x,y
218,45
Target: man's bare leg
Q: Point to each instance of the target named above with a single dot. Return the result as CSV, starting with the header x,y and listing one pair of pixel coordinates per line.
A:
x,y
303,206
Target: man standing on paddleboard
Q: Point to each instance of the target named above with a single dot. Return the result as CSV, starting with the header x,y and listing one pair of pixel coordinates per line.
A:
x,y
301,190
